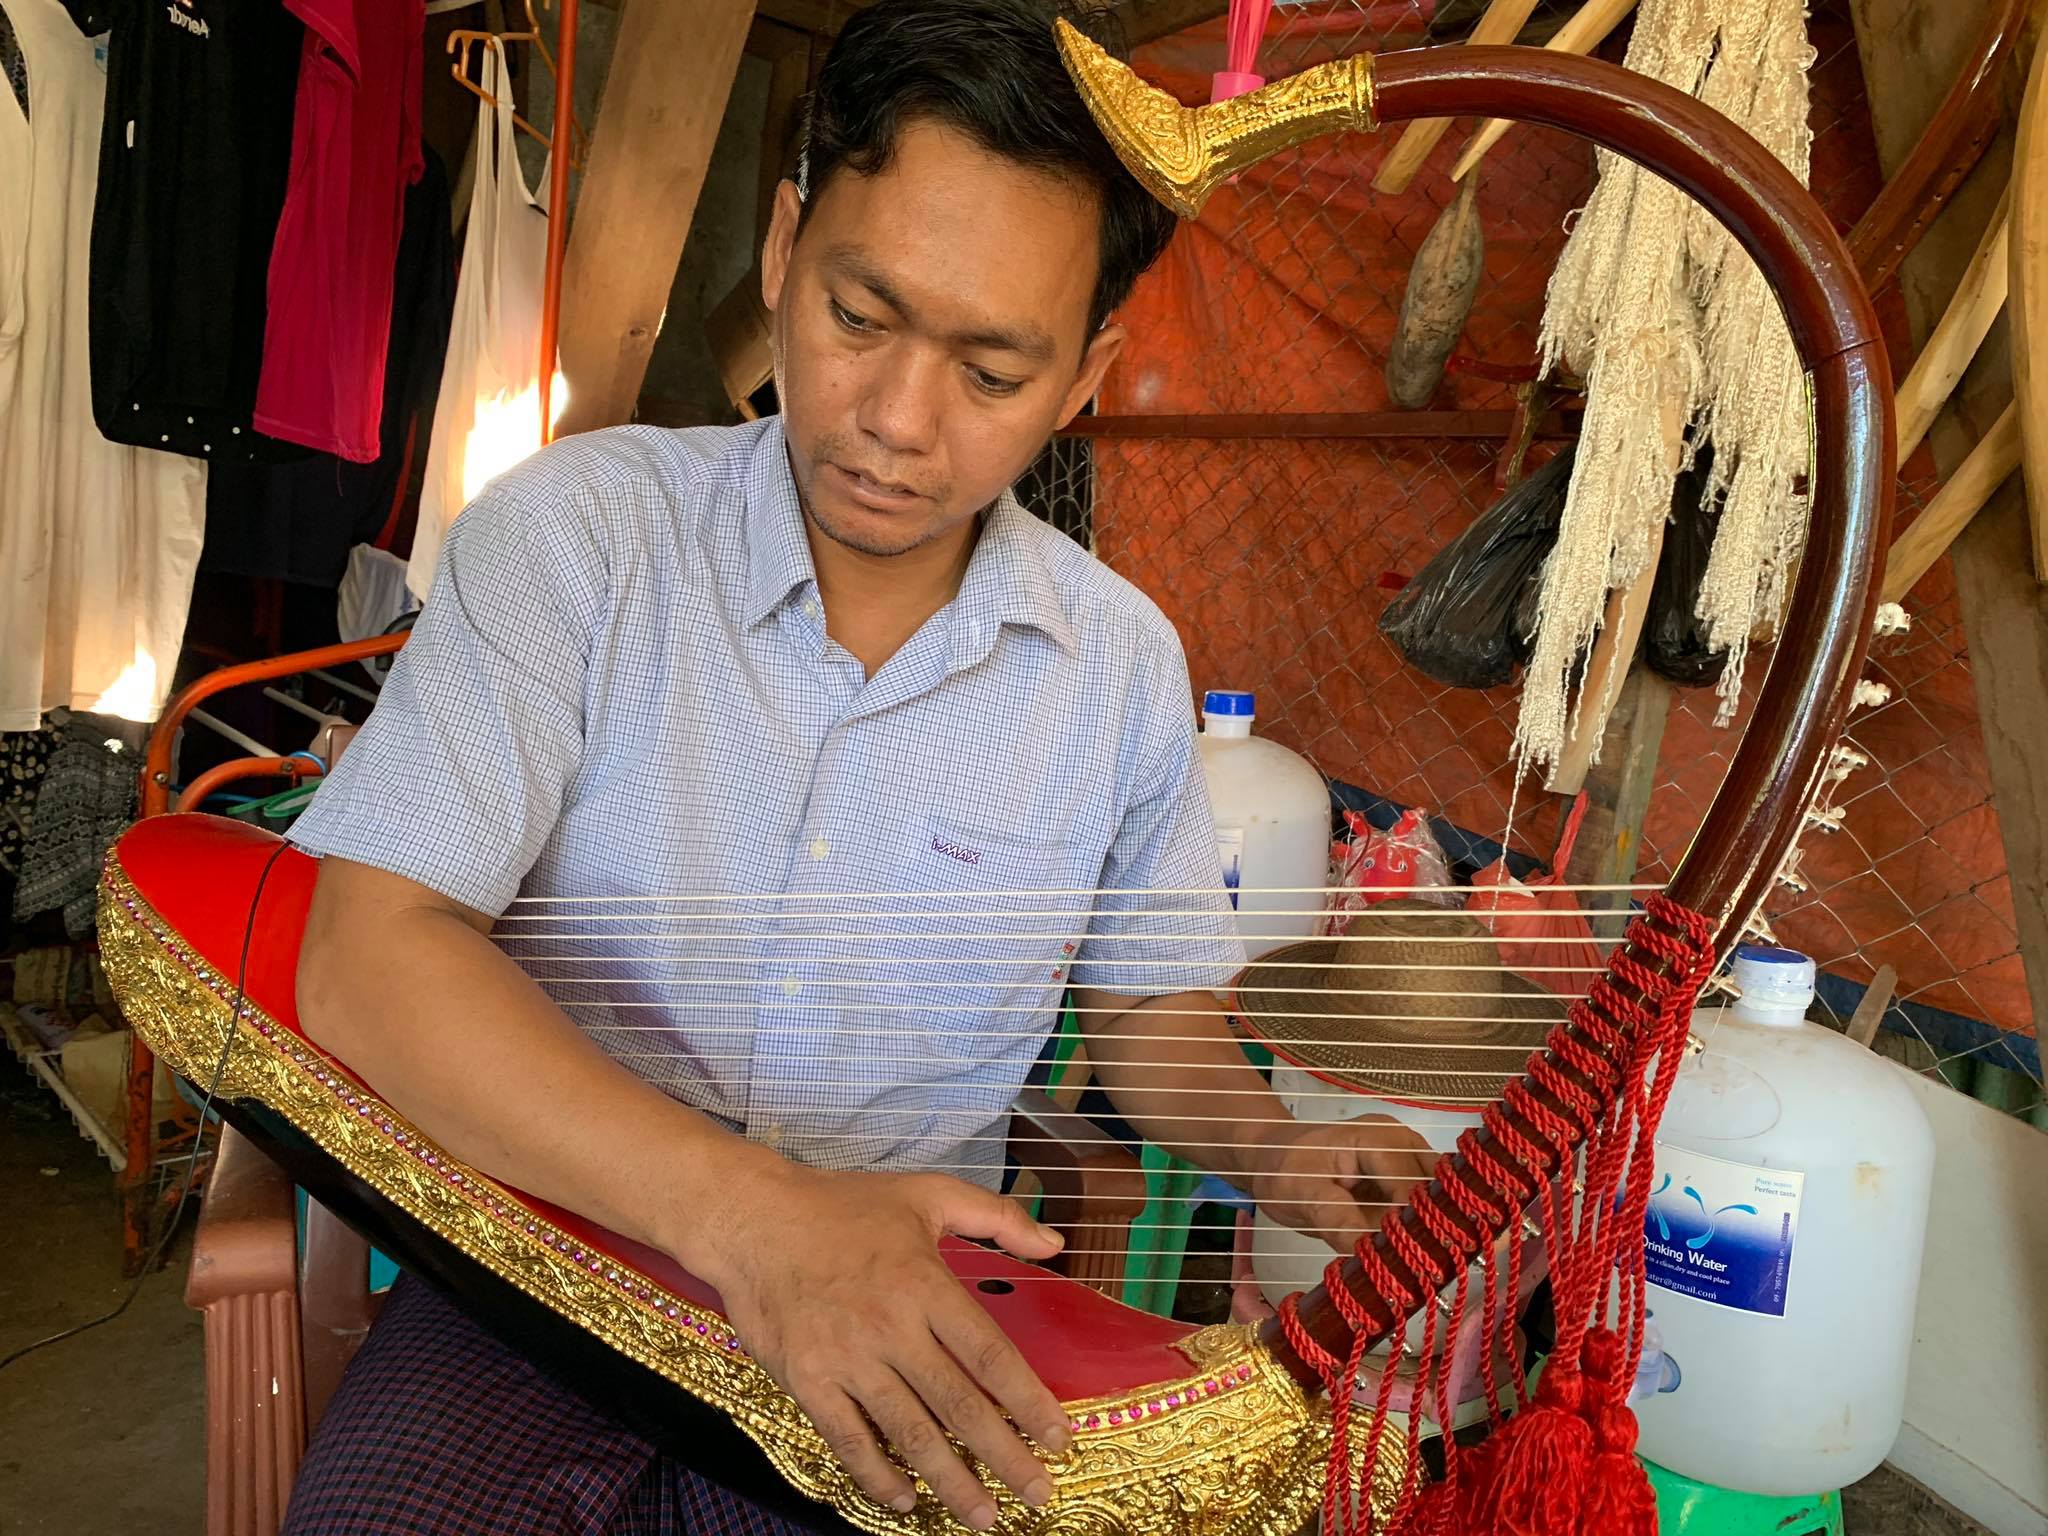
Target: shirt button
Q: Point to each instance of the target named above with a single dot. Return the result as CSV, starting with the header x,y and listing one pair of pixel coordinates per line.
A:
x,y
772,1136
791,986
820,848
811,607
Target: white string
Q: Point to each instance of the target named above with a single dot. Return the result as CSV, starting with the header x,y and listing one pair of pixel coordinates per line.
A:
x,y
1339,1094
983,893
1043,1012
934,1037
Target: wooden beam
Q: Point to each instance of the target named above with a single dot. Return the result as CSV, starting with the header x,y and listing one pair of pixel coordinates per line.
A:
x,y
1955,505
2028,285
820,18
1977,301
1500,23
788,53
1618,789
1143,21
2005,613
671,73
1621,634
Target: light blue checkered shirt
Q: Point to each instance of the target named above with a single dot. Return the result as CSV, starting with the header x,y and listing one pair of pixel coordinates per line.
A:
x,y
797,898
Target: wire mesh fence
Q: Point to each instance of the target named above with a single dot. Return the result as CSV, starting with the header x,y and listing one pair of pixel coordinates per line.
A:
x,y
1275,544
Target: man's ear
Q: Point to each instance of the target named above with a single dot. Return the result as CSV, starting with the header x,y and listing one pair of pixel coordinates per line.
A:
x,y
1102,351
781,241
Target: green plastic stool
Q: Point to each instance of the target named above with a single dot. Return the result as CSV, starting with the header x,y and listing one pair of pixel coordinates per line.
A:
x,y
1158,1240
1688,1508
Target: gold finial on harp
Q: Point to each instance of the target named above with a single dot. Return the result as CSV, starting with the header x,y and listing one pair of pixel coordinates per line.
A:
x,y
1182,154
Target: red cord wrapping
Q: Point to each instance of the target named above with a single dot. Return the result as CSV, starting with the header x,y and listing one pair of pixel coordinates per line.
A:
x,y
1586,1086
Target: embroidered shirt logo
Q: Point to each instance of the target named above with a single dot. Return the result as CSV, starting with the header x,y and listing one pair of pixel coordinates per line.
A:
x,y
179,18
958,851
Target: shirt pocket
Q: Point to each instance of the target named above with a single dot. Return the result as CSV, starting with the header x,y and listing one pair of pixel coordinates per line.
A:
x,y
992,922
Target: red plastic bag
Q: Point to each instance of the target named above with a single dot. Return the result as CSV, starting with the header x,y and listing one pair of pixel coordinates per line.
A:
x,y
1377,866
1541,932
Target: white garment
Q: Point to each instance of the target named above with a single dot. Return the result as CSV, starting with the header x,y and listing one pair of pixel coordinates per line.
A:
x,y
98,542
488,415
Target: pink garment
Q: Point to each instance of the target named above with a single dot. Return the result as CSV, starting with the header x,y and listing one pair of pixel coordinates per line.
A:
x,y
1540,931
355,149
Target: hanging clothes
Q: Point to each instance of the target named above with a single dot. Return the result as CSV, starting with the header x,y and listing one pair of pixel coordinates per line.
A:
x,y
196,144
358,127
97,542
86,799
297,522
488,417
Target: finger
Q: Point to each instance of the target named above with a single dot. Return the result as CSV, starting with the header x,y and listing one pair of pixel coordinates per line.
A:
x,y
1342,1222
965,1409
849,1438
902,1416
971,1336
967,1210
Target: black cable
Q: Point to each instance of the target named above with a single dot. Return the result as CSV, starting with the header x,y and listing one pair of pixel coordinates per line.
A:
x,y
198,1139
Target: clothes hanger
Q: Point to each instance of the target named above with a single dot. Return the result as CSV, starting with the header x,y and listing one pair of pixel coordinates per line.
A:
x,y
460,43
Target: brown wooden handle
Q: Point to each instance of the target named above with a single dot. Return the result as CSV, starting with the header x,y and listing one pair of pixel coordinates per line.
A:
x,y
1805,699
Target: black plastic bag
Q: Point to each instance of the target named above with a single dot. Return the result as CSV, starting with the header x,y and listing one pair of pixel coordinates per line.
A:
x,y
1674,637
1468,618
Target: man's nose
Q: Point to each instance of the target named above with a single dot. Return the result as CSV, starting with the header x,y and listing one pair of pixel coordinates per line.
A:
x,y
900,408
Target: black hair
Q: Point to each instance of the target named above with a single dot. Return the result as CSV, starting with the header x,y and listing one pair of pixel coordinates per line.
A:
x,y
990,69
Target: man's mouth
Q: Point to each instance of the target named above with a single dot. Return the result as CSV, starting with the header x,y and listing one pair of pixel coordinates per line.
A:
x,y
870,491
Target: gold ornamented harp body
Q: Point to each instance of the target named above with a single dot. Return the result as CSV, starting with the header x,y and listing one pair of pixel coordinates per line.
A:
x,y
1177,1432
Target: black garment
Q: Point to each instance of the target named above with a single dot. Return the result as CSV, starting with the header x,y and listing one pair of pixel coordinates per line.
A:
x,y
13,63
298,521
194,151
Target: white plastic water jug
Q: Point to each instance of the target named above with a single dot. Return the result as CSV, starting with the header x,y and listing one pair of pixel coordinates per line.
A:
x,y
1272,825
1783,1245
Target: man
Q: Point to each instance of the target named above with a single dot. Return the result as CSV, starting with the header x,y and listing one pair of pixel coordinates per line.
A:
x,y
825,653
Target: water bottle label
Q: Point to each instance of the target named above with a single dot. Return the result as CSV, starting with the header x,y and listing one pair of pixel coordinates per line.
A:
x,y
1722,1232
1230,849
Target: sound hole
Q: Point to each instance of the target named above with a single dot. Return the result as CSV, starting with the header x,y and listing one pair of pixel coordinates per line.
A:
x,y
994,1287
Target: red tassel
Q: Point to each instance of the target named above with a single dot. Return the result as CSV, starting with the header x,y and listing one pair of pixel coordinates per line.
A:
x,y
1541,1462
1619,1499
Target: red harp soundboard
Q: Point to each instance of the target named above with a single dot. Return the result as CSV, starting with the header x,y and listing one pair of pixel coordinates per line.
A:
x,y
1176,1430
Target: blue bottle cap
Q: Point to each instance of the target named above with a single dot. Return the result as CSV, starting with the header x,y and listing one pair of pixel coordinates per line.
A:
x,y
1228,702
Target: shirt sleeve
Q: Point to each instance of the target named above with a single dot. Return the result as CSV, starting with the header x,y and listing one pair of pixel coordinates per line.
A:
x,y
463,770
1163,922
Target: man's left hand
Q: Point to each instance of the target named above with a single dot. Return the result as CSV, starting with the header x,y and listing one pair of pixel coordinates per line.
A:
x,y
1334,1180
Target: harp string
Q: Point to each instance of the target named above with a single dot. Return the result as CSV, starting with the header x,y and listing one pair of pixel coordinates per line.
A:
x,y
1208,893
541,931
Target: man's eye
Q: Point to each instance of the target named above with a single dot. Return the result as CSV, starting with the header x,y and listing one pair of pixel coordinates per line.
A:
x,y
994,384
849,320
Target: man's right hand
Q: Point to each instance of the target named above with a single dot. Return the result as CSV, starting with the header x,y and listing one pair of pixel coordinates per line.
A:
x,y
835,1284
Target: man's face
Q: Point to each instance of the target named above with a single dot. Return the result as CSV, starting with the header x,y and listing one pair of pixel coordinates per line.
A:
x,y
931,332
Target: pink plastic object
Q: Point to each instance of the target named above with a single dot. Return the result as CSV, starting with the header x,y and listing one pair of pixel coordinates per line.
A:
x,y
1539,930
1226,83
1241,51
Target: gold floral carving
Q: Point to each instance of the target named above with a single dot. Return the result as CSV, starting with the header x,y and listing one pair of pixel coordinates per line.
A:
x,y
1247,1461
1182,154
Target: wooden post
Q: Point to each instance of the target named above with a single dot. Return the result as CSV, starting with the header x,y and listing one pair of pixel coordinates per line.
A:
x,y
788,53
1618,790
2005,613
671,73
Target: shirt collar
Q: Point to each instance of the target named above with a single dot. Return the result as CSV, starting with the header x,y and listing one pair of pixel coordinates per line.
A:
x,y
1007,582
778,553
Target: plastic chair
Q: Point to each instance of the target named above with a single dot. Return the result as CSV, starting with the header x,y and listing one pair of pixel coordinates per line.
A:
x,y
283,1321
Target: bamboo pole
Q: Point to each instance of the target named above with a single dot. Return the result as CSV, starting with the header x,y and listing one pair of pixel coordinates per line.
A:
x,y
1501,23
